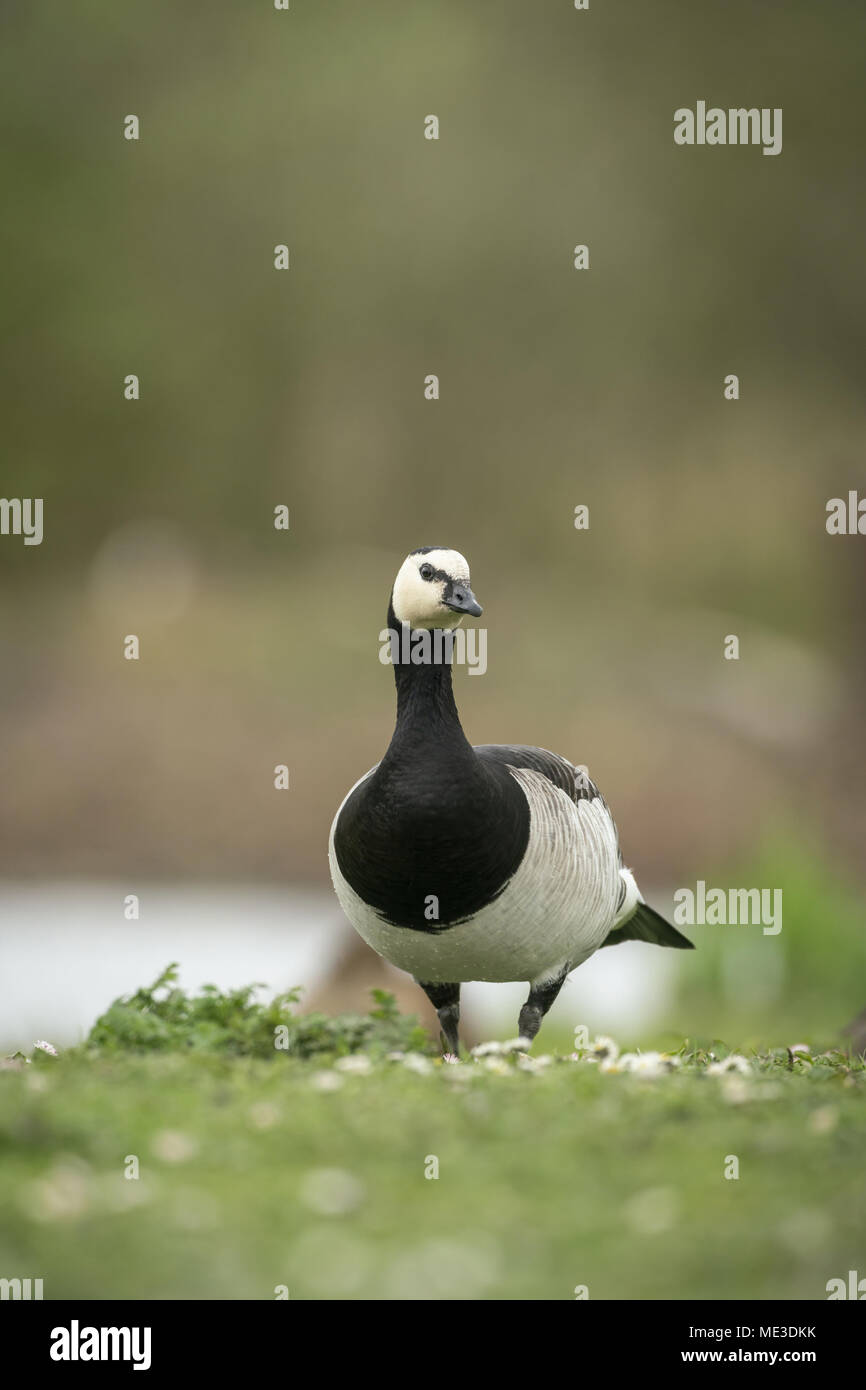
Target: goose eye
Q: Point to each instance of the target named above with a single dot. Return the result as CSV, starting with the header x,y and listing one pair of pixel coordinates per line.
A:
x,y
426,571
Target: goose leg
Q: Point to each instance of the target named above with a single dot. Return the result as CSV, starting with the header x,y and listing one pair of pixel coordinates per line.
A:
x,y
541,996
446,1001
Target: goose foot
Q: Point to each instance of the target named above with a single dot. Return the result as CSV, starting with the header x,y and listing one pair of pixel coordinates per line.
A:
x,y
446,1001
541,996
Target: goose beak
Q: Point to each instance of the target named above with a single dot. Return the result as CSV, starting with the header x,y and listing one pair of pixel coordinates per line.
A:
x,y
460,599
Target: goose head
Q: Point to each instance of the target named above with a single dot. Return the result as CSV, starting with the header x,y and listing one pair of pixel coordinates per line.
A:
x,y
432,589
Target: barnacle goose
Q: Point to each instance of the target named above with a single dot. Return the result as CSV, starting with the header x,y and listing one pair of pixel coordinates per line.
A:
x,y
464,863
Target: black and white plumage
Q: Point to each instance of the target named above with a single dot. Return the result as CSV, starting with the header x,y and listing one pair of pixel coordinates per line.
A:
x,y
462,863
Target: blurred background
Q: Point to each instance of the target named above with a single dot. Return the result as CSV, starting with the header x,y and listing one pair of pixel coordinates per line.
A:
x,y
305,388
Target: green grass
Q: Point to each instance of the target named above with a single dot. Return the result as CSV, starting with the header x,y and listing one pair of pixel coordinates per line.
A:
x,y
261,1167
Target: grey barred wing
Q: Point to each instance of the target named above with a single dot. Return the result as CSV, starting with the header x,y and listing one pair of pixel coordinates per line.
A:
x,y
568,777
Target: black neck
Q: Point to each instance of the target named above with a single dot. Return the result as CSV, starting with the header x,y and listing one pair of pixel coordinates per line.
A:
x,y
426,711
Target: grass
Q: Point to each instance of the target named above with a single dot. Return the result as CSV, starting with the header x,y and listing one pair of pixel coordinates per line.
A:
x,y
303,1167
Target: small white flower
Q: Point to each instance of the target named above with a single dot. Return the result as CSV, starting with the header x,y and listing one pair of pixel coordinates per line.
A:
x,y
644,1064
823,1120
415,1061
264,1115
649,1064
770,1091
600,1050
172,1146
496,1065
652,1211
734,1090
394,1056
734,1063
331,1191
46,1047
64,1194
326,1081
517,1045
356,1064
739,1064
527,1063
460,1073
488,1049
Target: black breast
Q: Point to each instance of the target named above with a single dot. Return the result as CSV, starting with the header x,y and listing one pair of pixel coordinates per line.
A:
x,y
429,846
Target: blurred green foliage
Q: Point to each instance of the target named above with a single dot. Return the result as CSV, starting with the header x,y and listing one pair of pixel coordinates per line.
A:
x,y
807,982
163,1018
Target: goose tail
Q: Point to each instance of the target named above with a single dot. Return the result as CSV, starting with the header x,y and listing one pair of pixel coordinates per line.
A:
x,y
637,921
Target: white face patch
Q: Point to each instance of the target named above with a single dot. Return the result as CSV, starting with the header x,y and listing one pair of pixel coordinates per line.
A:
x,y
418,601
